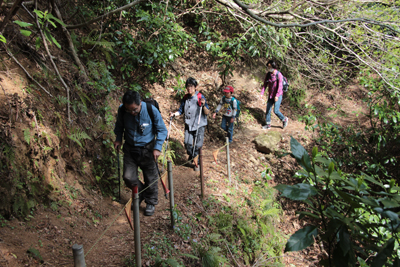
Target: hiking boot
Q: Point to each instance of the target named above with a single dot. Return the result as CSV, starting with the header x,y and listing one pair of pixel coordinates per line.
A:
x,y
285,122
266,127
149,210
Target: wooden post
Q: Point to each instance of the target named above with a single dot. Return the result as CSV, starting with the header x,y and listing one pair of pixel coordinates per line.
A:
x,y
171,192
201,172
228,165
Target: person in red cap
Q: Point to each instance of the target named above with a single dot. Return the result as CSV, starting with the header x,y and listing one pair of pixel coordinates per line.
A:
x,y
229,103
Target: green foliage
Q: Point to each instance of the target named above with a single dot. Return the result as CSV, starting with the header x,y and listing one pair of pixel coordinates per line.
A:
x,y
24,25
44,19
159,40
179,88
77,135
27,136
101,41
34,253
351,212
167,155
2,39
309,119
101,78
250,236
211,257
62,100
371,149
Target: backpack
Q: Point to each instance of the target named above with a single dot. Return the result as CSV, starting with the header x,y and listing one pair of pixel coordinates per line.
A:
x,y
153,102
185,97
285,83
237,104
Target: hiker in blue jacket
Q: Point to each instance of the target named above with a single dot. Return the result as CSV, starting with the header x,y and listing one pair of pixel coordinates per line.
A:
x,y
191,105
230,105
144,135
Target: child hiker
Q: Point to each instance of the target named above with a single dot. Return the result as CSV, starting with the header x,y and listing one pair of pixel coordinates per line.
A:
x,y
231,106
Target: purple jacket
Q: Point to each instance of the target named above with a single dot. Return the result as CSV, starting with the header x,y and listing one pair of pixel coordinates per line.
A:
x,y
273,89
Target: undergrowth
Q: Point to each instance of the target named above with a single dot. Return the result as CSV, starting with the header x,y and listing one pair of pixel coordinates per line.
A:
x,y
240,231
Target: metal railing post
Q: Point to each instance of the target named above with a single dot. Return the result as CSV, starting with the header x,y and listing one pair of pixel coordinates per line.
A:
x,y
228,159
79,256
136,225
171,193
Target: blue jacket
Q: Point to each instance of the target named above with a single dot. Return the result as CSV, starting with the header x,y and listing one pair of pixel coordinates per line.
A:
x,y
129,126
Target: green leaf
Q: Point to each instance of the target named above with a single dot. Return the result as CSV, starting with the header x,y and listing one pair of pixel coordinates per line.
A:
x,y
297,192
50,16
344,240
302,238
25,32
190,256
389,203
3,39
314,152
348,198
320,172
23,24
39,13
297,149
385,252
306,213
322,160
331,168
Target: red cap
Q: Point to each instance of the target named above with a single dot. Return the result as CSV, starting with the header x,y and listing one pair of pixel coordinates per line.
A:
x,y
228,89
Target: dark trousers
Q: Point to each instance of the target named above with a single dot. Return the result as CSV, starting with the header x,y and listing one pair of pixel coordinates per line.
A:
x,y
142,157
190,136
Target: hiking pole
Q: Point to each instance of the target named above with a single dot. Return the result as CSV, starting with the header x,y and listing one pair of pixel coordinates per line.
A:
x,y
166,191
197,130
166,145
119,178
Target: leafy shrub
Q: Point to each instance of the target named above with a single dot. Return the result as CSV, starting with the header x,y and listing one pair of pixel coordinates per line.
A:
x,y
352,214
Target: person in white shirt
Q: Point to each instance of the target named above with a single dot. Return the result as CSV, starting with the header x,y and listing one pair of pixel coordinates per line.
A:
x,y
229,103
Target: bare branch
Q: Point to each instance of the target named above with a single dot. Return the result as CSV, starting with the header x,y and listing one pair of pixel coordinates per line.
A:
x,y
26,72
246,9
52,61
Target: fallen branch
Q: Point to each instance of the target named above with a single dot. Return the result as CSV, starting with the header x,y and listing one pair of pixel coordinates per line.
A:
x,y
26,72
28,3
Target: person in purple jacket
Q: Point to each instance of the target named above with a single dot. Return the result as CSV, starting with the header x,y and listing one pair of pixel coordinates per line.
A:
x,y
274,81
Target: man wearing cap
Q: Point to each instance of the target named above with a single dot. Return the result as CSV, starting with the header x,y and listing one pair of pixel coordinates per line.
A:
x,y
229,103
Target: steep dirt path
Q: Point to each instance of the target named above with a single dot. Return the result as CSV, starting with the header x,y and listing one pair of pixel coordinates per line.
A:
x,y
52,230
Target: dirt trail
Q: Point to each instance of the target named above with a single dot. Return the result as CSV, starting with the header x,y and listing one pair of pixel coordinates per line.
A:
x,y
53,230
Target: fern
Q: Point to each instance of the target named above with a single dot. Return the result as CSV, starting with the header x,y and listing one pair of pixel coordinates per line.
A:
x,y
94,40
78,135
59,117
48,138
62,100
27,136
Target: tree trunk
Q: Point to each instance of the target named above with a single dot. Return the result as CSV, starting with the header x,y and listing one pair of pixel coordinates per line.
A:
x,y
11,13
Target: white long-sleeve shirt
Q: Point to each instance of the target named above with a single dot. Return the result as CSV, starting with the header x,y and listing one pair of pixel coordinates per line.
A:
x,y
230,108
